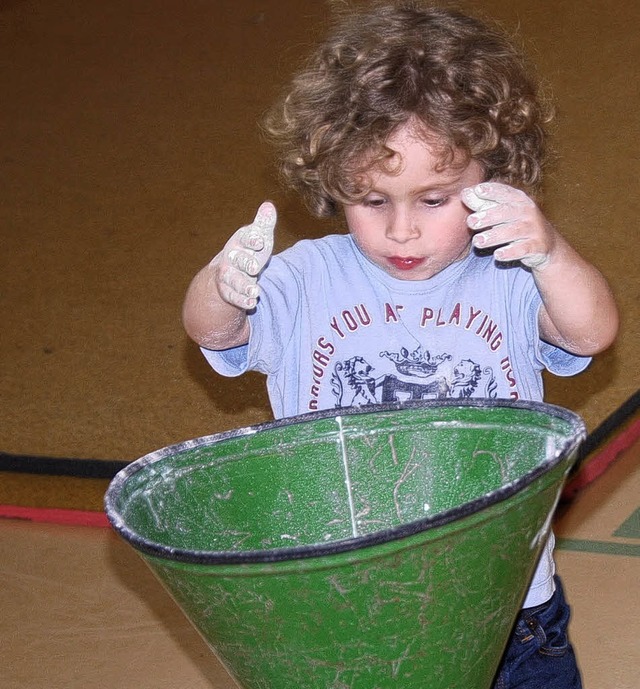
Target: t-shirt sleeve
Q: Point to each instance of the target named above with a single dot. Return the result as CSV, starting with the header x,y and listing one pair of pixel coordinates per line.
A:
x,y
560,362
270,331
228,362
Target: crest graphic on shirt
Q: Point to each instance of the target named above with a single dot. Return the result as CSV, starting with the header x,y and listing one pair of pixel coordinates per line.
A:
x,y
418,363
414,375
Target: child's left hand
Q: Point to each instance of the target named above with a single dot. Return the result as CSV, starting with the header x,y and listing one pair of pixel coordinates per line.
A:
x,y
507,218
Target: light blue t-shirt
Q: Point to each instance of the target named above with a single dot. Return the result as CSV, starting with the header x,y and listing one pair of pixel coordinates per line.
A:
x,y
333,330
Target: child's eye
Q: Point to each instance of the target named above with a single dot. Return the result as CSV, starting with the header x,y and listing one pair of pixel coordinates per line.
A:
x,y
374,202
434,203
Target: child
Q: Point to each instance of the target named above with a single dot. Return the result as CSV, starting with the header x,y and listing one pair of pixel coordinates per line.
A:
x,y
424,129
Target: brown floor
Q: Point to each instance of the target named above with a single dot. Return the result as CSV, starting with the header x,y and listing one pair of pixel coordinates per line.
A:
x,y
129,153
81,610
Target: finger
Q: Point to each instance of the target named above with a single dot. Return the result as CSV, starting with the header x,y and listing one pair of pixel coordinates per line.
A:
x,y
501,193
265,222
239,282
493,203
240,301
238,289
487,210
485,240
473,200
251,238
499,216
501,230
244,261
259,236
521,251
250,247
266,217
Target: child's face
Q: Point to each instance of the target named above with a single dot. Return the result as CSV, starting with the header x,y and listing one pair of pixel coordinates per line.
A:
x,y
413,224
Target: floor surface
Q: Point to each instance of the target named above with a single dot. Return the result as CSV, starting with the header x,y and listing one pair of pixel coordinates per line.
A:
x,y
129,154
80,609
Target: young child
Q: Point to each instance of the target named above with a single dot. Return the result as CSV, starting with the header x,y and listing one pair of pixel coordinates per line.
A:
x,y
423,127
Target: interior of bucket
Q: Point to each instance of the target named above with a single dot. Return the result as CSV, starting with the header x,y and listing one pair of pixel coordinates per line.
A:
x,y
333,478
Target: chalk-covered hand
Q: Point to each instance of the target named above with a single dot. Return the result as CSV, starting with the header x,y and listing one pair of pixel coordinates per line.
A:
x,y
507,218
244,256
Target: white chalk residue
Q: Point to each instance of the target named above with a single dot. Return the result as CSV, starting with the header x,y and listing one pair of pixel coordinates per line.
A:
x,y
347,477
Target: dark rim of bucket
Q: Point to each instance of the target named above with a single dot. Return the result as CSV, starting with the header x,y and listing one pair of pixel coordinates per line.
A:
x,y
225,557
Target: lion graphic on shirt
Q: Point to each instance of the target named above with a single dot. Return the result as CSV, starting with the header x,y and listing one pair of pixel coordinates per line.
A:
x,y
353,384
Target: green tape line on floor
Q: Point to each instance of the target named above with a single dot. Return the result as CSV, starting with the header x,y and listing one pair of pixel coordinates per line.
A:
x,y
600,547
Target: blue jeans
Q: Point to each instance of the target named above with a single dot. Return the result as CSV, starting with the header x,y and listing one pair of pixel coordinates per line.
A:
x,y
539,655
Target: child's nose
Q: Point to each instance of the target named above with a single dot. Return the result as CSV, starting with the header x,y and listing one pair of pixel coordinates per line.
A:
x,y
402,227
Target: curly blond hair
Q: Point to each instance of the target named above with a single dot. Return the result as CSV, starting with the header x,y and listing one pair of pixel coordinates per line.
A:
x,y
463,81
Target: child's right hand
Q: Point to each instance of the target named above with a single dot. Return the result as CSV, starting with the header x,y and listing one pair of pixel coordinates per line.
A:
x,y
243,258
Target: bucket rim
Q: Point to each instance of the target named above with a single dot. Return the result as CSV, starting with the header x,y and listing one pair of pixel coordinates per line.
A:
x,y
261,556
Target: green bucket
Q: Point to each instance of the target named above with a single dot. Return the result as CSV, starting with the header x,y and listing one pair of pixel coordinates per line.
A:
x,y
384,546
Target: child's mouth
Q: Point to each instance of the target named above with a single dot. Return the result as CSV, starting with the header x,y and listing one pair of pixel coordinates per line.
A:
x,y
405,263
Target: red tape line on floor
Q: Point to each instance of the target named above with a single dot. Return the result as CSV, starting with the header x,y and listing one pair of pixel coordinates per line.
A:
x,y
48,515
600,462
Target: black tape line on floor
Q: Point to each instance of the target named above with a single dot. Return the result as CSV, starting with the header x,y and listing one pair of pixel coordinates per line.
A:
x,y
608,427
106,469
57,466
